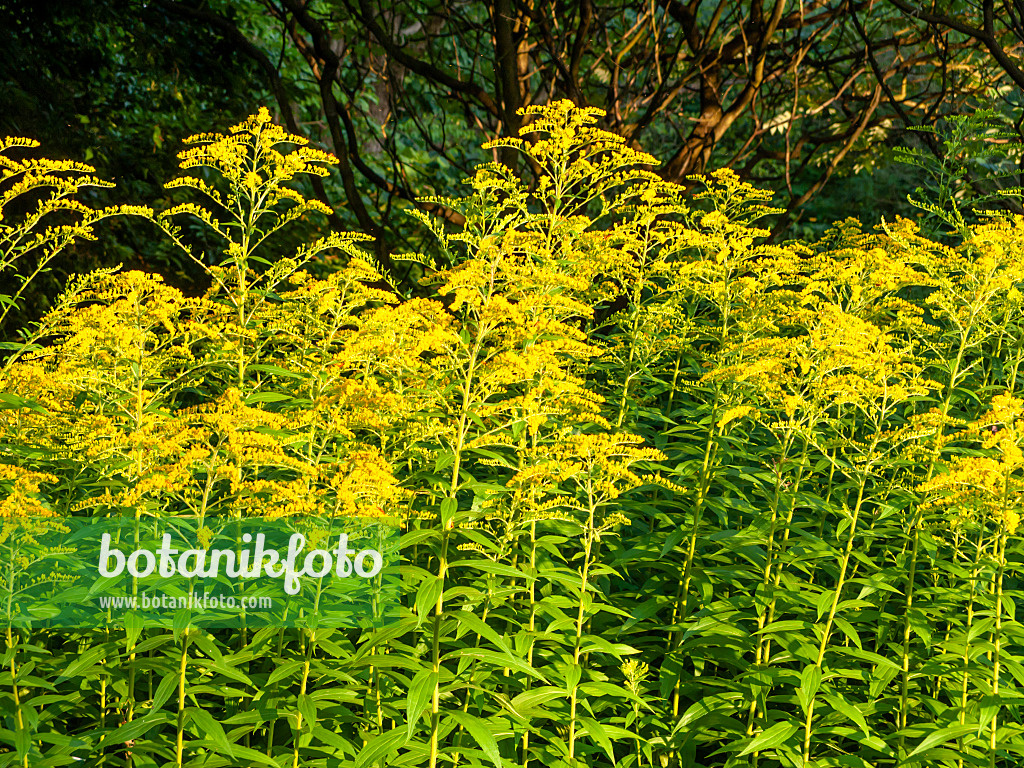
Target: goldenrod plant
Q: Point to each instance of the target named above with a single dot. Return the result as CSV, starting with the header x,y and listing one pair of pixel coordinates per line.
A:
x,y
669,495
41,216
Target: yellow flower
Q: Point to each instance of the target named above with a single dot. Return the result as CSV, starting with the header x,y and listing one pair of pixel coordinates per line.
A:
x,y
1011,520
791,403
733,414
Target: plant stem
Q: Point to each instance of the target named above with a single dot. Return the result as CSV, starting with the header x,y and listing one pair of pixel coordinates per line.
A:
x,y
525,760
832,613
180,744
915,546
682,599
19,718
997,639
967,645
302,692
588,540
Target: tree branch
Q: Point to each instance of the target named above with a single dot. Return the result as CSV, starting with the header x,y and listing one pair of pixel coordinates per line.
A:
x,y
985,35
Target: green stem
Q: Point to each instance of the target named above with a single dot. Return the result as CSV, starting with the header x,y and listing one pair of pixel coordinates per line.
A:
x,y
588,541
761,654
531,627
180,744
19,719
442,570
785,541
435,698
967,645
997,639
832,614
914,551
271,726
680,611
302,692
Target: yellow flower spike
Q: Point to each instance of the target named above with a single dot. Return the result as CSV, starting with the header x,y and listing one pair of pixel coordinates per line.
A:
x,y
714,220
733,414
791,403
1011,452
54,221
253,161
1011,520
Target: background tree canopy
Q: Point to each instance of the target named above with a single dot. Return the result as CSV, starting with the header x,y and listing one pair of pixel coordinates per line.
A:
x,y
807,98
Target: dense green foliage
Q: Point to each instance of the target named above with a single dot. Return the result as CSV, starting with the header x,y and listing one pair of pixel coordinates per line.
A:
x,y
760,508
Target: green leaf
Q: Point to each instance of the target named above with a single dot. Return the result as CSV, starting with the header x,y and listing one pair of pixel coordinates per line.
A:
x,y
838,703
230,672
379,746
498,569
426,598
810,679
307,708
941,736
9,401
384,634
132,730
420,692
536,697
207,645
163,692
330,737
719,703
481,734
83,662
883,675
788,625
771,738
475,623
208,728
22,741
496,659
277,370
825,600
848,630
266,397
600,736
287,669
448,509
253,756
